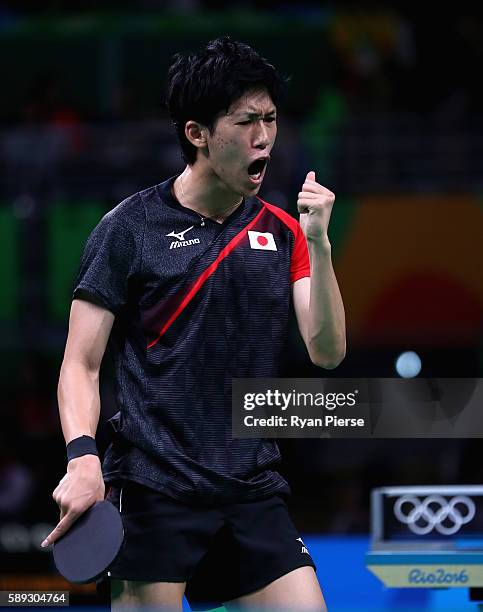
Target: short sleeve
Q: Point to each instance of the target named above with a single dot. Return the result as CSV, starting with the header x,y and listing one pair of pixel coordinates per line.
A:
x,y
110,259
300,263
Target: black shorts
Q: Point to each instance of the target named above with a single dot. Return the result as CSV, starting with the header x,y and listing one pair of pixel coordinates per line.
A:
x,y
221,552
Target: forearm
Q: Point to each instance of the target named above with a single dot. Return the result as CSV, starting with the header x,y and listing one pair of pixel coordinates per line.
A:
x,y
326,325
79,401
79,407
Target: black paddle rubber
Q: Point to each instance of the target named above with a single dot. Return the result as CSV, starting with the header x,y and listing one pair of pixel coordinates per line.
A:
x,y
88,549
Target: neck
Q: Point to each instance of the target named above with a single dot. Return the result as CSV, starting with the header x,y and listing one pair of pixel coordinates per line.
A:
x,y
202,191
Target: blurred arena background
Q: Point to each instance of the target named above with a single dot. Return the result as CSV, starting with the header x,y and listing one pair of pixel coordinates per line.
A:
x,y
385,104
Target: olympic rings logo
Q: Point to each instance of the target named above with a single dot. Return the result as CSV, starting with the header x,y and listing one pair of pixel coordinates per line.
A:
x,y
434,512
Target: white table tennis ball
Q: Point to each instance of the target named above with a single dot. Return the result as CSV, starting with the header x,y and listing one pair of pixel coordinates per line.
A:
x,y
408,364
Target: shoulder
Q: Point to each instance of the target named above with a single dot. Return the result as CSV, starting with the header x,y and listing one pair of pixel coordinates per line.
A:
x,y
292,224
129,214
131,207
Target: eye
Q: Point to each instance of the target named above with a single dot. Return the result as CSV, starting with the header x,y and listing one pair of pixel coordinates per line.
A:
x,y
270,119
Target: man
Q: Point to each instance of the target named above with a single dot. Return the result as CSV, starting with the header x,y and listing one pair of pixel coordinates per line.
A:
x,y
192,279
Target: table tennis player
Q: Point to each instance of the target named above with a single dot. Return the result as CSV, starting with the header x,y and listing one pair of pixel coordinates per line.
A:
x,y
191,282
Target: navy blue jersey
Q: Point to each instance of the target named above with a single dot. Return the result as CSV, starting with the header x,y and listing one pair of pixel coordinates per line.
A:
x,y
196,304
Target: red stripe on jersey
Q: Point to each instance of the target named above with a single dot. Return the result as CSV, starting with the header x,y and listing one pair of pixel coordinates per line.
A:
x,y
300,262
200,281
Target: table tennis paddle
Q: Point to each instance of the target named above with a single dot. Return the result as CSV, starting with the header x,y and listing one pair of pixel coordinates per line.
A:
x,y
91,545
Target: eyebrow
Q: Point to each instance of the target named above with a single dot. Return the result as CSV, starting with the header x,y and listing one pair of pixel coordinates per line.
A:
x,y
253,115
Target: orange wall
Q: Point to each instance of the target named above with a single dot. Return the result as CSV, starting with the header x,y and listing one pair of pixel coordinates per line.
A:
x,y
411,268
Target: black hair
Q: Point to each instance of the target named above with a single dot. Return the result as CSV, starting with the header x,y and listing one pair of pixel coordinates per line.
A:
x,y
203,86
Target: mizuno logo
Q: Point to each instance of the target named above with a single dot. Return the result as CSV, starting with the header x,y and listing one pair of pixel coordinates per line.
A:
x,y
180,236
180,241
304,548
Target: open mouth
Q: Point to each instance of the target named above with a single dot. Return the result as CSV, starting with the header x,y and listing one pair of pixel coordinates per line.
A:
x,y
256,168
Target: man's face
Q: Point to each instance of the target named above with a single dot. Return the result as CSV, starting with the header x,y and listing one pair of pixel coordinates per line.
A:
x,y
245,134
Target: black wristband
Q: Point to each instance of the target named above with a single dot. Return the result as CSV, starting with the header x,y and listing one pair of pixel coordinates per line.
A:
x,y
84,445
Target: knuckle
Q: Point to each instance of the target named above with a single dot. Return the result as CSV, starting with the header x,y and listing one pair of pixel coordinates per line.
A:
x,y
73,508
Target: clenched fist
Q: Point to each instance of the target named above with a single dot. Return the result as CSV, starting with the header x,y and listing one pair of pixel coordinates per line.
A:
x,y
315,206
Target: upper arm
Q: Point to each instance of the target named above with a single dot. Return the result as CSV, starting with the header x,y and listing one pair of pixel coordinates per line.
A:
x,y
89,329
301,302
111,259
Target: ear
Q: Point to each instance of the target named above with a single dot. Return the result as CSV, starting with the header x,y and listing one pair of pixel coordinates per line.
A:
x,y
196,133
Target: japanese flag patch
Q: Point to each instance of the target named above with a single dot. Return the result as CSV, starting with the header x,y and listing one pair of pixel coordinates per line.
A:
x,y
262,241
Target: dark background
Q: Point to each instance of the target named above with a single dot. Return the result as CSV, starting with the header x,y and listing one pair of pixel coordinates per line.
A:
x,y
384,104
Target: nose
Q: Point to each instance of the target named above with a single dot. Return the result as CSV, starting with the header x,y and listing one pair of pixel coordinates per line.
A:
x,y
262,137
